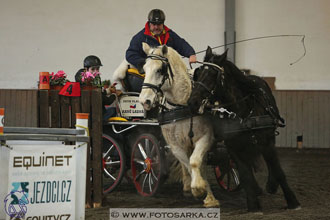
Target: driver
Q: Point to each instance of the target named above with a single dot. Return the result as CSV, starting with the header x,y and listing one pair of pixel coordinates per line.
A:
x,y
155,33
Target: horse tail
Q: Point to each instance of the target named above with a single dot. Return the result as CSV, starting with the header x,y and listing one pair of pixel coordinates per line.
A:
x,y
175,173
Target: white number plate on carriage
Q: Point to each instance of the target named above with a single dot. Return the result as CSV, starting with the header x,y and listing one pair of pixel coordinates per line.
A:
x,y
130,107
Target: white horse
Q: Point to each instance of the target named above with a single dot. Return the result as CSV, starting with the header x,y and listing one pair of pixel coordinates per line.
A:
x,y
166,73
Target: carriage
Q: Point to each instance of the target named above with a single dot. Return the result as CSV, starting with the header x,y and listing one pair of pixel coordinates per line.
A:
x,y
134,148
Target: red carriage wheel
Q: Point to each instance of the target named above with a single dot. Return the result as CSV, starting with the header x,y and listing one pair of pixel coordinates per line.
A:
x,y
227,178
113,163
146,164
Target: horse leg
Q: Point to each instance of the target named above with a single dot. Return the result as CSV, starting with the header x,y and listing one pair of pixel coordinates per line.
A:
x,y
198,184
257,188
272,160
210,200
186,180
181,155
249,184
272,184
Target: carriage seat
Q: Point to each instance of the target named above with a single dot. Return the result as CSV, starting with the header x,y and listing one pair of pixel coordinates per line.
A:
x,y
133,80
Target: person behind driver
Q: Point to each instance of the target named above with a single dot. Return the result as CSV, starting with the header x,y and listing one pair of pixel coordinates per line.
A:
x,y
93,64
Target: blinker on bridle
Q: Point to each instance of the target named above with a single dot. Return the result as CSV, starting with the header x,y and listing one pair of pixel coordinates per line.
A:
x,y
220,75
164,71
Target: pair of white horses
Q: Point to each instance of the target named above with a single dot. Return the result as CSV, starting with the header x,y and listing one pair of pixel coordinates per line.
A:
x,y
176,88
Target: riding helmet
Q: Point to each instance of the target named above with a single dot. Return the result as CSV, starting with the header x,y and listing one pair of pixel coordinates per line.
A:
x,y
156,16
92,61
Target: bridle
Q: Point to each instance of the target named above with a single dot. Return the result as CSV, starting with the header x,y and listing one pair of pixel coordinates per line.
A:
x,y
211,91
164,72
220,76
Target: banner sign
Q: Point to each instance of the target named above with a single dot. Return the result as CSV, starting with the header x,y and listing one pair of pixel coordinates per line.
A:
x,y
41,182
131,107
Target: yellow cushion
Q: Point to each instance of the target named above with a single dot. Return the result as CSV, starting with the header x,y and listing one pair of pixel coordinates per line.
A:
x,y
135,72
117,119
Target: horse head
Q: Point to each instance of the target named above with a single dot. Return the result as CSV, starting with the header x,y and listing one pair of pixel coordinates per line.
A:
x,y
209,81
163,64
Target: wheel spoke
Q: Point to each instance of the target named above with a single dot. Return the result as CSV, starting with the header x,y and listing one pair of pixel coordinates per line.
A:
x,y
143,153
106,153
137,176
235,175
150,182
144,181
153,174
147,146
112,162
107,172
141,162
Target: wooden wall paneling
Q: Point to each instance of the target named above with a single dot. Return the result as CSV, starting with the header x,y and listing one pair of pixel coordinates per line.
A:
x,y
43,109
85,108
12,108
324,129
33,99
55,109
27,106
327,120
75,108
65,112
300,118
319,119
19,108
277,95
284,115
308,105
289,118
316,114
97,147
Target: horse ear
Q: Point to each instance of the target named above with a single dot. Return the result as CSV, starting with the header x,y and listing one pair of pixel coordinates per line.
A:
x,y
145,47
208,54
224,55
164,50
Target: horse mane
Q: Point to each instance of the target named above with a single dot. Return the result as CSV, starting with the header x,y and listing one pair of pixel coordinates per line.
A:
x,y
254,85
175,58
246,83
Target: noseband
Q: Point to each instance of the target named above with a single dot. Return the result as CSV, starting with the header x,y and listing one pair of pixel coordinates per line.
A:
x,y
164,71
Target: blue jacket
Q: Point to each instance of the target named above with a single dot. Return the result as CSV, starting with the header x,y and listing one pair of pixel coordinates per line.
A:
x,y
136,56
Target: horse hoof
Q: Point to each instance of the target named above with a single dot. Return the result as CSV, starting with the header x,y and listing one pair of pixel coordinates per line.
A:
x,y
298,208
294,208
212,204
198,192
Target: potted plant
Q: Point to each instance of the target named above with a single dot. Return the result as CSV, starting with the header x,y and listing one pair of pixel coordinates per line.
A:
x,y
106,83
89,79
57,80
